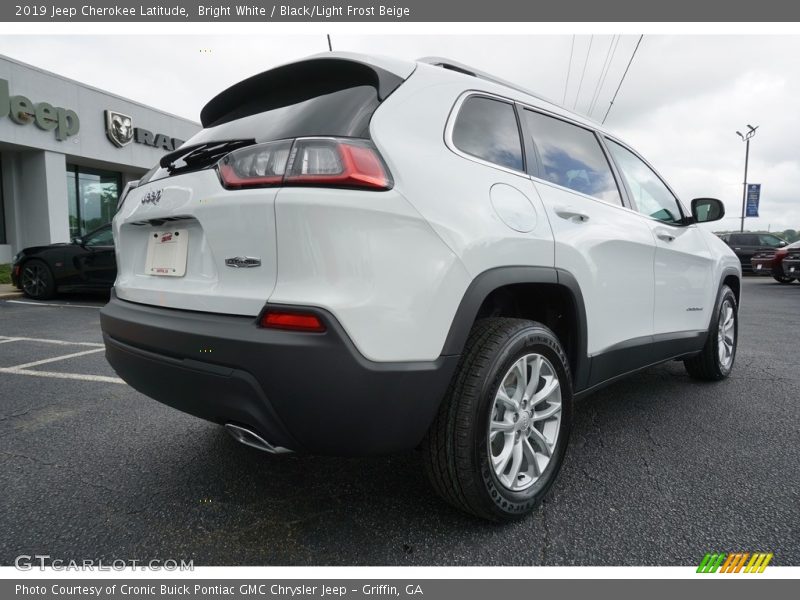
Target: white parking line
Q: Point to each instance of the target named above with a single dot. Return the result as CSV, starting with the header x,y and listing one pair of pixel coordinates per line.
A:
x,y
103,378
24,369
54,359
4,339
52,304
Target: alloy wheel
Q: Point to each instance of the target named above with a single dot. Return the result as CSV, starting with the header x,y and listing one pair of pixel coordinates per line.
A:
x,y
525,422
726,334
33,280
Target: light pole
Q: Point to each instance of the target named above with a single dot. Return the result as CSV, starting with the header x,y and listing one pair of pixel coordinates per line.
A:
x,y
751,131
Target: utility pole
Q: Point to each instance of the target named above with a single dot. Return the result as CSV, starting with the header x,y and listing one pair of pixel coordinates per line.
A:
x,y
751,131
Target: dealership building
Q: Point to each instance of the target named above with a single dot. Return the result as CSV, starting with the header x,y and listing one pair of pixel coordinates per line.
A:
x,y
66,152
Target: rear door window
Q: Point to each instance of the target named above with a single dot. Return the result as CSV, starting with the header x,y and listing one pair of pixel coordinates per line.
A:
x,y
487,129
571,156
744,239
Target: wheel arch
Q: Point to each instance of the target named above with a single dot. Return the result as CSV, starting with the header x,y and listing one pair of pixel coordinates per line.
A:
x,y
546,294
732,279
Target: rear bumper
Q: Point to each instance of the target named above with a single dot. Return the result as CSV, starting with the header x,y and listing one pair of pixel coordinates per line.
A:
x,y
309,392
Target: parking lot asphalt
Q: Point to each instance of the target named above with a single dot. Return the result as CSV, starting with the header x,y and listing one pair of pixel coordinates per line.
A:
x,y
661,469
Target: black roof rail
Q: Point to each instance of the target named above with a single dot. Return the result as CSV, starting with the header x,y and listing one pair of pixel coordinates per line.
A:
x,y
452,65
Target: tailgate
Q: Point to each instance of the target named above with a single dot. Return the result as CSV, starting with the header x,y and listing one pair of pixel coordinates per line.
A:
x,y
156,266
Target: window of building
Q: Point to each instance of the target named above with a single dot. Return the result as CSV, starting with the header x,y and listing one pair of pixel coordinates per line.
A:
x,y
651,196
2,207
92,195
487,129
571,156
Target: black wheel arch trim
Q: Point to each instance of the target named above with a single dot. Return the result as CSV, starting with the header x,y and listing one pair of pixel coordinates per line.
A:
x,y
492,279
730,272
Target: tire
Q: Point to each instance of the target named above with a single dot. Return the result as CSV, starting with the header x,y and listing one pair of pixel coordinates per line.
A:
x,y
783,278
37,280
708,365
459,452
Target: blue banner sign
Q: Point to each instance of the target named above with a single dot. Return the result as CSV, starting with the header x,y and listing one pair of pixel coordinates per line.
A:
x,y
753,197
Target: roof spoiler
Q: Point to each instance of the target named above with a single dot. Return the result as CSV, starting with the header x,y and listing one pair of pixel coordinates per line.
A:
x,y
293,83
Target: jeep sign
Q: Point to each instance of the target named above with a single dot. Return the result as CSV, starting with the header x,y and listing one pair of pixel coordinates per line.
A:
x,y
63,121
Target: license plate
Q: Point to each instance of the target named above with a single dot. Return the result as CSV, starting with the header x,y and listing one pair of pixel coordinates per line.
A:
x,y
791,269
166,253
758,267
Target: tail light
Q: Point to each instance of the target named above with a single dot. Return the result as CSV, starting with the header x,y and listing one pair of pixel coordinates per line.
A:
x,y
329,162
291,320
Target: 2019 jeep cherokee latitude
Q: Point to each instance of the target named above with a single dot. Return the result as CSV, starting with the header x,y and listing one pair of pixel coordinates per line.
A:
x,y
364,255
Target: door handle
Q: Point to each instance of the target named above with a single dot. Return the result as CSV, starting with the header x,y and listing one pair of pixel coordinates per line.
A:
x,y
572,214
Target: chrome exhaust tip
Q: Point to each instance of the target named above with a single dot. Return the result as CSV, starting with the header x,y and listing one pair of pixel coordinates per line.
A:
x,y
251,438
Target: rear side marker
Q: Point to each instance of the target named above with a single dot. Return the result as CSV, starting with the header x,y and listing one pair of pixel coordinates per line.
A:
x,y
293,321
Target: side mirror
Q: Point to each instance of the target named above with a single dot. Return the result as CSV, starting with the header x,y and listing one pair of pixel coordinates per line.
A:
x,y
782,244
78,241
705,210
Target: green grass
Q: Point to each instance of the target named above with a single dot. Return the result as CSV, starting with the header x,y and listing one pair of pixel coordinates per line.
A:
x,y
5,273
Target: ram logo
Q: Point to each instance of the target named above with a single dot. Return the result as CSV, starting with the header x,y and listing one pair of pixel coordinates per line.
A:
x,y
243,262
119,128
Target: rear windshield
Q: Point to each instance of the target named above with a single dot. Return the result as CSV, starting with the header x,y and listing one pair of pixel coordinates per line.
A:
x,y
318,97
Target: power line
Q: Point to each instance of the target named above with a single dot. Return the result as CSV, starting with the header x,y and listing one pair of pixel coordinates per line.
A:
x,y
610,104
585,62
569,69
604,72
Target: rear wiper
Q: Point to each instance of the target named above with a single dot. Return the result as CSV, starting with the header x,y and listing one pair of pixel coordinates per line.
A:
x,y
200,154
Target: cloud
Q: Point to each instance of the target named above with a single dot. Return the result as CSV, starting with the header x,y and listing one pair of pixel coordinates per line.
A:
x,y
680,104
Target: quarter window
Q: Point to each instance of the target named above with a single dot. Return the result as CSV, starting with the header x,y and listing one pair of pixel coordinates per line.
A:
x,y
487,129
571,156
651,196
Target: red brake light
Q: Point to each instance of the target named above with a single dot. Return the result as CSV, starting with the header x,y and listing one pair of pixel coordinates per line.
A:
x,y
294,321
329,162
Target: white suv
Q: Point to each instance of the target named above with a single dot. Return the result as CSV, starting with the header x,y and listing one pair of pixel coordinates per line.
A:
x,y
362,255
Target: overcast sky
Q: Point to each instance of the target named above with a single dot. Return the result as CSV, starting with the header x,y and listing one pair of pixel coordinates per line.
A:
x,y
680,104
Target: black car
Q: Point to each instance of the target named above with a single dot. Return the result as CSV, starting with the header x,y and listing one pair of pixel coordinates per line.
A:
x,y
86,264
746,243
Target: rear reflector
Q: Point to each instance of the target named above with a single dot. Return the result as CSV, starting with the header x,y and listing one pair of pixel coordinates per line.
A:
x,y
294,321
327,162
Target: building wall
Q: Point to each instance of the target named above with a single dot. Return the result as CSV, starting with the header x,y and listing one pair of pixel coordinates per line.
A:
x,y
34,159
